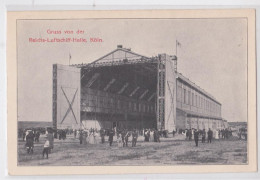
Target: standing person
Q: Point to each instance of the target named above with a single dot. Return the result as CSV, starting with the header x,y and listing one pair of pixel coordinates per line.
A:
x,y
24,134
190,134
217,134
187,134
126,138
226,133
123,137
203,134
156,136
134,138
119,140
46,148
29,142
50,139
59,134
110,137
91,137
102,135
84,138
174,132
196,137
146,136
151,135
80,137
75,133
210,133
95,134
223,133
37,136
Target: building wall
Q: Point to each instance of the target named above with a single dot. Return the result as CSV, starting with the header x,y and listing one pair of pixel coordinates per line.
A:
x,y
66,96
180,119
189,98
196,110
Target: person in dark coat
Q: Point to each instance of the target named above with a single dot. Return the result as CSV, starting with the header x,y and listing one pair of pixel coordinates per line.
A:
x,y
110,137
146,135
190,134
134,138
226,133
196,137
24,134
123,133
75,133
203,136
187,134
210,134
80,137
37,136
29,142
126,138
156,136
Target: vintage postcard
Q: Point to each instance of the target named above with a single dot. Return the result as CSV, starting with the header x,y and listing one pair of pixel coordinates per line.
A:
x,y
148,91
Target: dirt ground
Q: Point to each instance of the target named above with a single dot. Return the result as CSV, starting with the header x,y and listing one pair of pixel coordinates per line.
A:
x,y
171,151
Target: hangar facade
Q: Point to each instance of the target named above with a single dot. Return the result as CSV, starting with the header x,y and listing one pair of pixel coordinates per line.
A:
x,y
124,89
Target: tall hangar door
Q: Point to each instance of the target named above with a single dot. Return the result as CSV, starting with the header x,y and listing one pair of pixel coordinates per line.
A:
x,y
66,97
166,94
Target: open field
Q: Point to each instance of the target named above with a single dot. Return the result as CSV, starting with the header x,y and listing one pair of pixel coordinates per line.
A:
x,y
171,151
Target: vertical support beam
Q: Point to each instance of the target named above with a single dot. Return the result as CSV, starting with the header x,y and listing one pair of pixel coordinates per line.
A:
x,y
54,100
166,99
160,93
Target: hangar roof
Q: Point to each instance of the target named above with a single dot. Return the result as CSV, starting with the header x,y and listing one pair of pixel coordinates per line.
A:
x,y
119,56
125,56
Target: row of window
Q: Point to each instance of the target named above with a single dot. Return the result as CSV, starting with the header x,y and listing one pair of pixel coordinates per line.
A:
x,y
197,100
111,103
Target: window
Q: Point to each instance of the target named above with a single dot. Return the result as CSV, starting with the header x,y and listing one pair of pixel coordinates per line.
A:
x,y
192,103
184,92
189,97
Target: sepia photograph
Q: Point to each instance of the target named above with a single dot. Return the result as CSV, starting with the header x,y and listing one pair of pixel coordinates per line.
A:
x,y
131,91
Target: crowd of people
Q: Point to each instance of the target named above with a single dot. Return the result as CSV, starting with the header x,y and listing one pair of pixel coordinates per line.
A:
x,y
121,137
195,134
90,136
31,136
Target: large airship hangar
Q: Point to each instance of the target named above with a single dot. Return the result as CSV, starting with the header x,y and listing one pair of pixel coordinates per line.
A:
x,y
126,90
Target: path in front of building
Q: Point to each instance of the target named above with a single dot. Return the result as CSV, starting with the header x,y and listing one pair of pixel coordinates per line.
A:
x,y
171,151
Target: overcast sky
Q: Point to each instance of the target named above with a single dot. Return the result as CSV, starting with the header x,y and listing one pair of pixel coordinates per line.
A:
x,y
213,54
